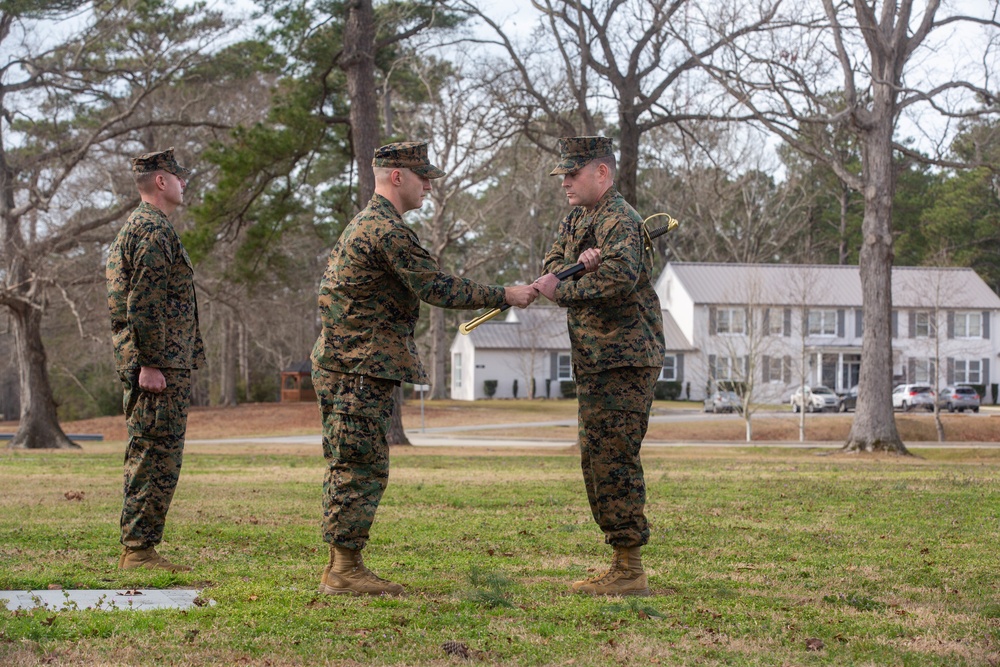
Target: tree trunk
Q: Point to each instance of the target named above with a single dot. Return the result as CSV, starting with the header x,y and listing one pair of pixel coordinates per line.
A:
x,y
227,380
439,353
628,151
938,424
845,195
874,426
39,426
387,112
396,435
245,362
358,64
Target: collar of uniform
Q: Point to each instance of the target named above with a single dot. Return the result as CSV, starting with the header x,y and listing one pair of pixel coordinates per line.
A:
x,y
146,206
605,199
380,201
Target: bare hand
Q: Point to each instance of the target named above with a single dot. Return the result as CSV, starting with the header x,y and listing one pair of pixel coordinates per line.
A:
x,y
547,285
520,295
590,258
152,380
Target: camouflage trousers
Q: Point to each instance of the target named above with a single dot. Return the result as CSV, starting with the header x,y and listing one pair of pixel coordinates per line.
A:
x,y
613,416
156,426
356,410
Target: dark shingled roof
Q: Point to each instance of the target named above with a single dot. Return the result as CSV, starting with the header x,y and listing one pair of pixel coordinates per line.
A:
x,y
299,367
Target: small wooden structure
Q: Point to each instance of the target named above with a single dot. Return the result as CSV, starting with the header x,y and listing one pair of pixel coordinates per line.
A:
x,y
296,383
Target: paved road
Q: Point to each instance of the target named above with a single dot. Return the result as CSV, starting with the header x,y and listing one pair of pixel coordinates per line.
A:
x,y
464,436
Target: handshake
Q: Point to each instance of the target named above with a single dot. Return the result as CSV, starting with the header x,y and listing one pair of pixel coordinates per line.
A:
x,y
523,295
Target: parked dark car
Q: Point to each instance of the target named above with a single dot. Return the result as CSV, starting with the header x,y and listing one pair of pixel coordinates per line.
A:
x,y
959,398
849,399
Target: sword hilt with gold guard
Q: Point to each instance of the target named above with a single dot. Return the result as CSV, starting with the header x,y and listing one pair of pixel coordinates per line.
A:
x,y
575,269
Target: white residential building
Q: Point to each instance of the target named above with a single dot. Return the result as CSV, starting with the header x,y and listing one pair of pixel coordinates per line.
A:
x,y
781,323
531,343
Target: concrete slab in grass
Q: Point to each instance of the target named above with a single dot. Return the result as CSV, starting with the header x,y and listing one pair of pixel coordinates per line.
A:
x,y
104,600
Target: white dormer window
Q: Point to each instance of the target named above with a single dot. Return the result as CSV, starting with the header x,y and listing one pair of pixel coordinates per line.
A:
x,y
731,321
728,368
564,366
922,325
968,371
776,322
822,323
923,371
968,325
669,372
456,370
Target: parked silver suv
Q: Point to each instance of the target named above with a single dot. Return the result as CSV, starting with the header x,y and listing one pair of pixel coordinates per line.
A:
x,y
959,398
910,396
723,401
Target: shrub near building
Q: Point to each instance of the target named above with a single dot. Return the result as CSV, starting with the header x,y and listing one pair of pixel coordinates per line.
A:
x,y
489,388
665,390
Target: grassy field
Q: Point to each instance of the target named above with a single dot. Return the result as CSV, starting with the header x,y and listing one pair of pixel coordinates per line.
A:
x,y
756,556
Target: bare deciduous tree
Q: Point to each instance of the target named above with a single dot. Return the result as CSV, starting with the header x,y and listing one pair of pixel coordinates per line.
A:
x,y
805,290
858,68
625,64
721,188
70,105
748,346
938,296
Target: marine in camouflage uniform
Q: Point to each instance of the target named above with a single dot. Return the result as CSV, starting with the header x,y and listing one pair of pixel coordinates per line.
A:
x,y
369,302
154,324
616,335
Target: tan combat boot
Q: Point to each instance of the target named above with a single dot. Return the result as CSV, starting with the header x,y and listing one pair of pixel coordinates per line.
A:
x,y
326,570
148,558
624,577
347,575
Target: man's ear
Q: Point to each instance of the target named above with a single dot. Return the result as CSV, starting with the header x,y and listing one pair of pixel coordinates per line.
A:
x,y
396,177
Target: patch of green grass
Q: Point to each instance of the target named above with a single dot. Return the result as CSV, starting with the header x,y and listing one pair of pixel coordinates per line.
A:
x,y
489,589
887,561
859,602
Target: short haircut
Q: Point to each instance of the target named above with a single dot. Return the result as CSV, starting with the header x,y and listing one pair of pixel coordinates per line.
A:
x,y
608,160
144,180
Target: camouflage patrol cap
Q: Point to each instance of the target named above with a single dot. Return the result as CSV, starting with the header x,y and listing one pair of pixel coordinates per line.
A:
x,y
164,160
575,152
410,155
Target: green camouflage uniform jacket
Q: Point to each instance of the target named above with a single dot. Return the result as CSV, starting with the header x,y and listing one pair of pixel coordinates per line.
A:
x,y
613,313
154,311
369,298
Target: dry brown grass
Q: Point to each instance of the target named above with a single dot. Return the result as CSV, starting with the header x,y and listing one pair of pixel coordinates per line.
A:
x,y
827,428
263,419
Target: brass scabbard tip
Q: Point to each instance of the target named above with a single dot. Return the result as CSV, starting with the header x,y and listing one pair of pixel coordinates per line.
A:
x,y
473,323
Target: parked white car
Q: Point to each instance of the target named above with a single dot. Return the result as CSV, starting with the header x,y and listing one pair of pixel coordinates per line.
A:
x,y
910,396
818,399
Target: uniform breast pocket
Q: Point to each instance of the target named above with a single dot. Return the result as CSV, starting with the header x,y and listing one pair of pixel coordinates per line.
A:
x,y
588,241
